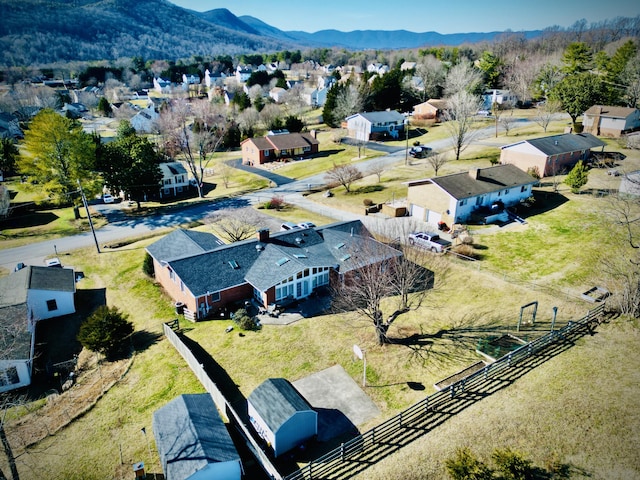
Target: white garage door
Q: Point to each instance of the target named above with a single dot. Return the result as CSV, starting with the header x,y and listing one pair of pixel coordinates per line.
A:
x,y
417,212
433,217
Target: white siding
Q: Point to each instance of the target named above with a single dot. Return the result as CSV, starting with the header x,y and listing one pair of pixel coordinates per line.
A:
x,y
38,302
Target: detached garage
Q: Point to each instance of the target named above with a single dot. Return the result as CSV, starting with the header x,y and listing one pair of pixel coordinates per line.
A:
x,y
281,416
193,441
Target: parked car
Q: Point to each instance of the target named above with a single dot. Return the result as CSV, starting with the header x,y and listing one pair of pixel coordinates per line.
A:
x,y
429,241
306,225
420,151
53,262
19,266
289,226
107,198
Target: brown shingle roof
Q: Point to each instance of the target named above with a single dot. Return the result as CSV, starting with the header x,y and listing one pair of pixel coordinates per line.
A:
x,y
609,111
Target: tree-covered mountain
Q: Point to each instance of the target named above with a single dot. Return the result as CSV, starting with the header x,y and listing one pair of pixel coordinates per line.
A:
x,y
44,31
38,32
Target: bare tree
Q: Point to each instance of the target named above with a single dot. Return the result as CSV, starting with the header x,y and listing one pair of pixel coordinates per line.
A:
x,y
506,119
546,113
348,102
436,160
235,224
462,77
344,174
247,120
225,171
377,169
521,74
270,114
459,120
193,132
383,284
630,77
431,73
622,264
338,134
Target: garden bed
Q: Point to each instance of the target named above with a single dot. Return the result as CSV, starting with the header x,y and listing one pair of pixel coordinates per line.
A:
x,y
494,348
456,377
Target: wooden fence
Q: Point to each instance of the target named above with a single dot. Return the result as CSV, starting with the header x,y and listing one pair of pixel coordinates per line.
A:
x,y
219,399
361,451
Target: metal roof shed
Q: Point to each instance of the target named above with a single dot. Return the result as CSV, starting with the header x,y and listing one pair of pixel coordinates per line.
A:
x,y
193,441
281,416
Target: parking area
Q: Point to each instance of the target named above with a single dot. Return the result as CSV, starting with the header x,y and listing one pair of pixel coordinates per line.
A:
x,y
341,403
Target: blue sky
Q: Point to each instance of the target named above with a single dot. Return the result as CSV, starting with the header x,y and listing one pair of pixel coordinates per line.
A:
x,y
443,16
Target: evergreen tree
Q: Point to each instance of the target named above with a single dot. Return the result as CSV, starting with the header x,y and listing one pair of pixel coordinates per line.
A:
x,y
105,331
577,177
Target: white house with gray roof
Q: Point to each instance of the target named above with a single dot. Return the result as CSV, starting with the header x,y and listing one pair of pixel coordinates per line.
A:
x,y
455,198
272,268
372,125
193,442
281,416
26,296
551,155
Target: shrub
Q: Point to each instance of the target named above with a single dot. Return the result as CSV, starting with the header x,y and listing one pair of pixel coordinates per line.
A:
x,y
105,331
466,249
244,320
277,203
367,202
147,265
534,172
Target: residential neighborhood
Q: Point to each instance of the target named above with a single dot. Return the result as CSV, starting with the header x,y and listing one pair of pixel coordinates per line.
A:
x,y
299,261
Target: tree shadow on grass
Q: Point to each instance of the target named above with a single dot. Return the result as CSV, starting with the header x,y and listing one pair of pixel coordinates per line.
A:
x,y
29,220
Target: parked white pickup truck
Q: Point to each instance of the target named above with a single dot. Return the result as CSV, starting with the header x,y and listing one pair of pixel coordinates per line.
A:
x,y
429,241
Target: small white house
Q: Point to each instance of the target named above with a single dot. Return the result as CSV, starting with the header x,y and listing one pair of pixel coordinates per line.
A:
x,y
369,125
175,179
281,416
455,198
193,442
503,98
145,120
26,296
610,121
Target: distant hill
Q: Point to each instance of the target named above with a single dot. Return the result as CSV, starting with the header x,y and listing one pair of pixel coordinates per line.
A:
x,y
36,32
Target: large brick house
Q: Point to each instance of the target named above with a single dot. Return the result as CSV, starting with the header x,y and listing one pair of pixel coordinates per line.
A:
x,y
259,150
549,155
207,277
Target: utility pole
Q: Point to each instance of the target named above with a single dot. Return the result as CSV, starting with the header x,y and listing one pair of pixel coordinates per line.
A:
x,y
86,207
406,152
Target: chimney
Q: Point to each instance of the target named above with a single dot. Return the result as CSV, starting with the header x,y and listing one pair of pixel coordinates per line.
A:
x,y
313,133
474,173
263,235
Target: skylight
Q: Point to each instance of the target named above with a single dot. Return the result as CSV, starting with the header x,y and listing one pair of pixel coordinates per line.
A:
x,y
346,257
282,261
339,246
234,264
299,255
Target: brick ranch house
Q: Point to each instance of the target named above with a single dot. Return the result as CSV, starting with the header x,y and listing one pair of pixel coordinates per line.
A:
x,y
550,155
207,277
259,150
609,121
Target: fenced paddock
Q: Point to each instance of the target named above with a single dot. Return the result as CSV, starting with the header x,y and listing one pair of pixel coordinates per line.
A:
x,y
366,449
362,451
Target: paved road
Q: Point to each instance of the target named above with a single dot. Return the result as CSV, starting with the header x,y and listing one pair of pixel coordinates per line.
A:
x,y
121,227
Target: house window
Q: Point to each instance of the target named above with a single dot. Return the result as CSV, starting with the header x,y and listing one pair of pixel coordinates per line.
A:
x,y
506,192
9,376
181,286
266,153
214,297
463,202
167,181
52,305
172,274
523,189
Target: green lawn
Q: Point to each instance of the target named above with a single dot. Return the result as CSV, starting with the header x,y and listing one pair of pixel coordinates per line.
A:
x,y
578,406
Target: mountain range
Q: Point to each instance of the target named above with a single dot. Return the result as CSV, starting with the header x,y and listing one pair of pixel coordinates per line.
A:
x,y
44,31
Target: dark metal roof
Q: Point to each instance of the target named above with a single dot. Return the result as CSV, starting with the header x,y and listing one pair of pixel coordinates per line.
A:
x,y
383,116
259,263
564,143
488,180
190,434
276,400
181,243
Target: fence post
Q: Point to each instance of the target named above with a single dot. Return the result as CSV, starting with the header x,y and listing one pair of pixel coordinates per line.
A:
x,y
426,404
342,451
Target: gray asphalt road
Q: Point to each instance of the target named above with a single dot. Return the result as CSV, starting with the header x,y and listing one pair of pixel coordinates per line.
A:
x,y
121,227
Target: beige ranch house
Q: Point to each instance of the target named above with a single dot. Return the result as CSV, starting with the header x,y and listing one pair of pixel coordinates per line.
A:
x,y
456,198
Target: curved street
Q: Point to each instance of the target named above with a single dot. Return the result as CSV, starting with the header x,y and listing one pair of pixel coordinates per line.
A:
x,y
120,228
